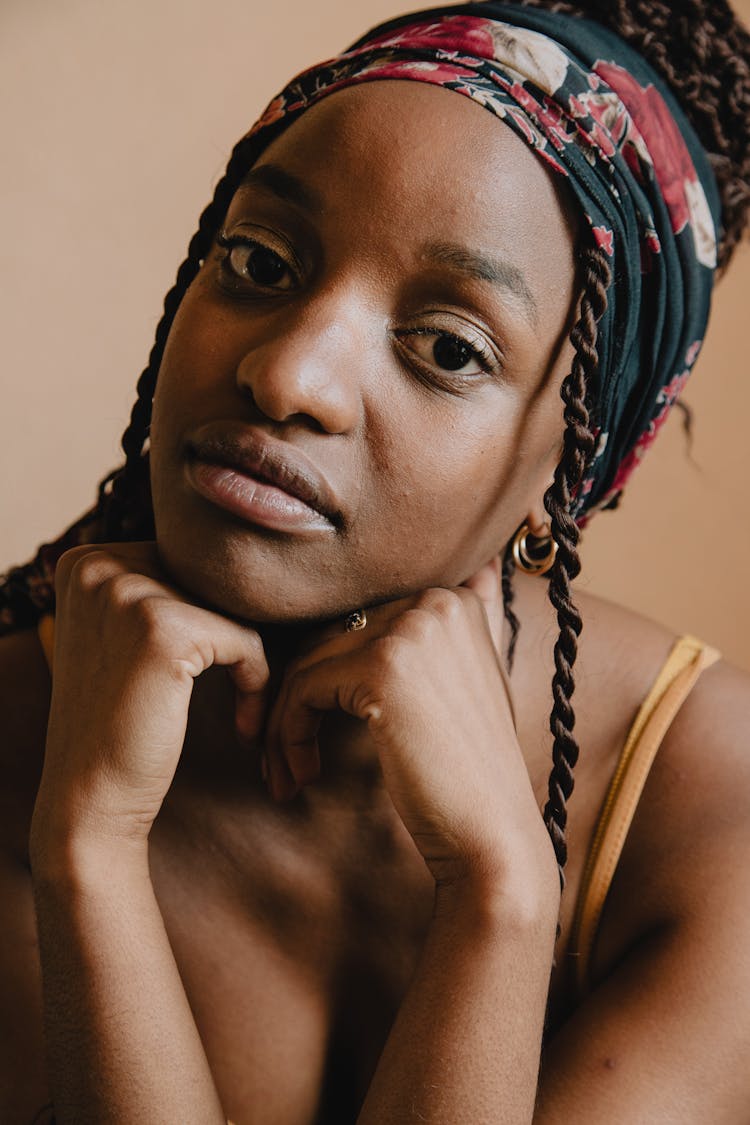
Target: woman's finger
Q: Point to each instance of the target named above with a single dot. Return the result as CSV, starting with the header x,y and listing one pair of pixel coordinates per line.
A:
x,y
326,685
486,584
128,647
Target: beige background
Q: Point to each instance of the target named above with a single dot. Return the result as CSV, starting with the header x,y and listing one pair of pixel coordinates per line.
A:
x,y
117,117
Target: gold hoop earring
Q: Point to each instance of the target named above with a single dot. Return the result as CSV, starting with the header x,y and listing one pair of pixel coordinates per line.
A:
x,y
528,557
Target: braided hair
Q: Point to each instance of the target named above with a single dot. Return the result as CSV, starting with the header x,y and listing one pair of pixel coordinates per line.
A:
x,y
703,53
578,449
123,509
120,499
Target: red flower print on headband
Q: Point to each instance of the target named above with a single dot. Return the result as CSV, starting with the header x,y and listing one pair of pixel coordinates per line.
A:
x,y
467,35
673,167
604,239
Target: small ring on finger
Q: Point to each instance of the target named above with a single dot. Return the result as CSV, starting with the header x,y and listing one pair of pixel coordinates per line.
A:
x,y
355,621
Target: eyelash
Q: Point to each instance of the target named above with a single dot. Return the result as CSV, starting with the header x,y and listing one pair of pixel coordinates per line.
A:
x,y
230,242
479,349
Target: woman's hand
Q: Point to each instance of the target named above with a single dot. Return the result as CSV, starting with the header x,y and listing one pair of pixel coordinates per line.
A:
x,y
426,678
121,1038
128,647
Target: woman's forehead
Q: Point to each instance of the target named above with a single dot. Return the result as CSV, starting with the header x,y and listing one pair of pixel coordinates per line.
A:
x,y
421,124
417,158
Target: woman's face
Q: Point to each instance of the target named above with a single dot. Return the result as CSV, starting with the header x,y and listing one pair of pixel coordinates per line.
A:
x,y
374,357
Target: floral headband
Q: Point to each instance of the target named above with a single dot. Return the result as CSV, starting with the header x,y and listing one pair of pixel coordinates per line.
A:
x,y
597,114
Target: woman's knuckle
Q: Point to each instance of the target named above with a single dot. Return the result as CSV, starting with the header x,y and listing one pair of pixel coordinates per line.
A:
x,y
420,624
62,574
367,696
256,653
152,614
471,605
391,656
87,570
68,559
420,627
122,589
442,603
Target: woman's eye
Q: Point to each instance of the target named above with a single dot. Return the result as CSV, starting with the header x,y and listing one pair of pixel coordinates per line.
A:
x,y
449,352
250,260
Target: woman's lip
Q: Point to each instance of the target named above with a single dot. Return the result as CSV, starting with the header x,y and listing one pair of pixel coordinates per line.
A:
x,y
252,453
253,500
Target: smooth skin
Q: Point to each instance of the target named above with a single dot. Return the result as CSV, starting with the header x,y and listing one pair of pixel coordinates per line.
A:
x,y
370,935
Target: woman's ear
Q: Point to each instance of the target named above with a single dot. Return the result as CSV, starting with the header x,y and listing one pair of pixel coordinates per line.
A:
x,y
537,517
537,521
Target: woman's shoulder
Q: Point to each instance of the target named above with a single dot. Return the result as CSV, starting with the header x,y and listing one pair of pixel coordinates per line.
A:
x,y
704,748
25,687
692,831
685,864
697,791
670,966
619,655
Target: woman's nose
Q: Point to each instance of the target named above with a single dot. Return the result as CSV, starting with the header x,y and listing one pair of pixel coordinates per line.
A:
x,y
308,367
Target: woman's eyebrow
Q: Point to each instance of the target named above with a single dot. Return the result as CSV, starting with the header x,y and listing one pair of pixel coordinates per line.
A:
x,y
473,263
285,185
484,267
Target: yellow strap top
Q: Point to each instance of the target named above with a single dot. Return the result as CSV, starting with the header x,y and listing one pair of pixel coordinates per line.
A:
x,y
671,688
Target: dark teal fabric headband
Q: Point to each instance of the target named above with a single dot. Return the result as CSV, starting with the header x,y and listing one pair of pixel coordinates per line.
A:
x,y
598,115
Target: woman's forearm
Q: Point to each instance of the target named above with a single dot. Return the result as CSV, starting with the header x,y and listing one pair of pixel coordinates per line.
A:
x,y
466,1043
121,1039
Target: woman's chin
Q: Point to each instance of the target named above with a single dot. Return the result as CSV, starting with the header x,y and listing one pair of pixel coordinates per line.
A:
x,y
258,590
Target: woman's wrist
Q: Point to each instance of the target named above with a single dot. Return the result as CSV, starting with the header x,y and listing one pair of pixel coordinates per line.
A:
x,y
489,906
80,854
469,1030
508,876
102,943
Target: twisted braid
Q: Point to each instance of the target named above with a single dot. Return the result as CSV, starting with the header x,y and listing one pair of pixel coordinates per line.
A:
x,y
121,492
123,507
702,52
506,581
578,448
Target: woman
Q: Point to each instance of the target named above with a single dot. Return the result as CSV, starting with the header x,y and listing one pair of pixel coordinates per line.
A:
x,y
285,849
